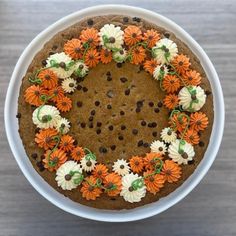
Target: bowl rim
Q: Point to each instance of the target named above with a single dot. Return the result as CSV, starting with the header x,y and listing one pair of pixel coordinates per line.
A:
x,y
11,123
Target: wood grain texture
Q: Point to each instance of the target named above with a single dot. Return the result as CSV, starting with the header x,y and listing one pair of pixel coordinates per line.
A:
x,y
209,210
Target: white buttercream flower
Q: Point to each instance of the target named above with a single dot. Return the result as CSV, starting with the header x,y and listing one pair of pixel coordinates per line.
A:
x,y
181,153
165,50
168,135
160,72
64,125
81,69
46,116
158,147
69,85
69,175
119,56
111,36
88,164
121,167
63,61
192,98
128,192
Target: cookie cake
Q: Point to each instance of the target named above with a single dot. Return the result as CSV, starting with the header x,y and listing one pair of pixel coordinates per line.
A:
x,y
115,112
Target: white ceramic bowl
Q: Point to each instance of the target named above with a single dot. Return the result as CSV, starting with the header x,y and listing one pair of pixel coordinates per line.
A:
x,y
58,199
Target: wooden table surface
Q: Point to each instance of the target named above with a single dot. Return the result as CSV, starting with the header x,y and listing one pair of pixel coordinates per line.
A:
x,y
208,210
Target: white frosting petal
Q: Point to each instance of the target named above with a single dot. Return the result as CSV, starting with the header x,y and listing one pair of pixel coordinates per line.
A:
x,y
46,116
113,32
160,71
67,175
158,147
119,56
135,195
121,167
88,165
168,135
69,85
81,69
159,53
186,100
63,122
58,58
187,152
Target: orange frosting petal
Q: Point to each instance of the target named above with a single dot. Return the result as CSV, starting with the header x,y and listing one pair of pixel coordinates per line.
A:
x,y
92,58
150,65
100,171
151,37
178,122
48,78
105,56
192,77
171,83
181,63
46,138
171,171
192,137
112,183
90,36
198,121
132,35
77,153
66,143
64,104
138,55
74,48
171,101
150,160
136,164
56,94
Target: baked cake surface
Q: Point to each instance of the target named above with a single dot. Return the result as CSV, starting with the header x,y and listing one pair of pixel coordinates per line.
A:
x,y
116,153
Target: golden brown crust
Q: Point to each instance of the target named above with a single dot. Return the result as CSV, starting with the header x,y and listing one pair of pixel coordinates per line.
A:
x,y
144,88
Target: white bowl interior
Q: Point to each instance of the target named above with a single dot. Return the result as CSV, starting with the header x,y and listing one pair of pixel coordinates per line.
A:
x,y
58,199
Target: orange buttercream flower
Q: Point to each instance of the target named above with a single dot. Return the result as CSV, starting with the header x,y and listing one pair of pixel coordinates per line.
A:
x,y
100,171
112,183
92,58
66,143
192,137
54,160
105,56
77,153
89,189
64,104
90,36
171,101
178,122
132,35
198,121
151,160
192,77
171,83
74,48
136,164
56,94
150,65
46,138
153,182
151,37
33,95
181,63
138,55
171,171
48,78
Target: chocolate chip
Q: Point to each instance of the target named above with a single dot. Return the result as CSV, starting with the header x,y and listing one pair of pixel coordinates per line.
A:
x,y
139,103
93,112
79,87
151,104
154,124
44,62
167,35
140,143
97,103
109,78
99,124
90,125
110,94
208,92
108,73
150,125
119,65
37,130
83,125
122,113
137,19
125,19
109,106
50,53
54,47
201,144
123,127
191,162
146,145
123,79
159,104
91,118
110,127
18,115
79,104
138,109
143,123
90,22
127,92
120,137
85,89
154,134
113,147
102,150
98,131
135,131
75,142
34,156
156,110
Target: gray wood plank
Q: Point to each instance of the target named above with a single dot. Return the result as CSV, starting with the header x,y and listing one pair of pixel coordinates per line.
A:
x,y
209,210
